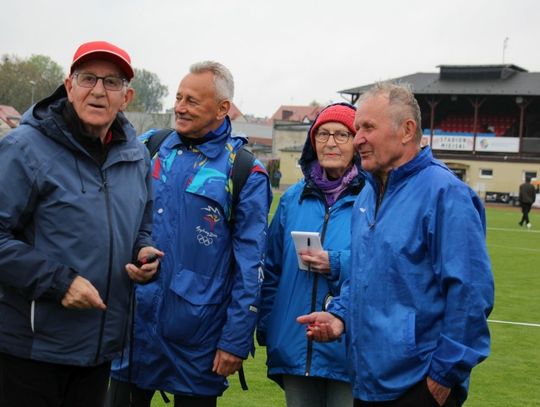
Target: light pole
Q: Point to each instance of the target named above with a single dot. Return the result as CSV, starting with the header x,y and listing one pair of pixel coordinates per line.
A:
x,y
505,45
33,84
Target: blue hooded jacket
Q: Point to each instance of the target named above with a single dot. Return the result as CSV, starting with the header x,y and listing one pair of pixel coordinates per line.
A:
x,y
289,292
206,294
417,302
61,215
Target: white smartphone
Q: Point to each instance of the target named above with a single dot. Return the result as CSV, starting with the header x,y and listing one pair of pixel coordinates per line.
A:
x,y
304,241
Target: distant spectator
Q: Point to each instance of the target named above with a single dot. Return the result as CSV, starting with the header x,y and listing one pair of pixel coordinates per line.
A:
x,y
527,196
276,178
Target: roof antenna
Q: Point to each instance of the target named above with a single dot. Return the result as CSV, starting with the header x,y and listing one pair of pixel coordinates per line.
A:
x,y
505,45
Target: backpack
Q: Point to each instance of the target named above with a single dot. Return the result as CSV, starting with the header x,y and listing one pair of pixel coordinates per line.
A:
x,y
239,175
240,170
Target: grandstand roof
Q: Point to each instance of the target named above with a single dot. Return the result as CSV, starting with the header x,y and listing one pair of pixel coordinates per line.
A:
x,y
468,80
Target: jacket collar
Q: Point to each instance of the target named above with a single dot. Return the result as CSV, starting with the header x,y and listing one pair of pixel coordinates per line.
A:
x,y
214,140
353,189
422,160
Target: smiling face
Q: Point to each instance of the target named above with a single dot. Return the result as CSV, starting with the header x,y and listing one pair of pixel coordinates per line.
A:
x,y
97,107
197,108
334,158
382,143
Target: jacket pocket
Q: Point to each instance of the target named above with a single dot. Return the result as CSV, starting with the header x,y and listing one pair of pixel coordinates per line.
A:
x,y
191,310
410,332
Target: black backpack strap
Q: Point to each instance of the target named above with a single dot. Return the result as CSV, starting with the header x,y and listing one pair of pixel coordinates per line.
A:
x,y
155,141
166,399
240,173
242,378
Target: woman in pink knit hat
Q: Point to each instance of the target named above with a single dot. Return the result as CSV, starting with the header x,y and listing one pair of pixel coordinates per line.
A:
x,y
312,374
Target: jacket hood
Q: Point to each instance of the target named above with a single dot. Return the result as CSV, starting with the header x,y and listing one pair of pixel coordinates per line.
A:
x,y
309,155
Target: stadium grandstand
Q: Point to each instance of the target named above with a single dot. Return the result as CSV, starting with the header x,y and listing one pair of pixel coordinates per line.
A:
x,y
483,121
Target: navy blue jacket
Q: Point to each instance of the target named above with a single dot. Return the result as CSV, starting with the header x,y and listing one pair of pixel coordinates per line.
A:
x,y
62,215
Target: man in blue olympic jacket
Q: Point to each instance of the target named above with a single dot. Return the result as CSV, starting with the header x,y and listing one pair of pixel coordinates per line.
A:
x,y
194,324
75,213
416,305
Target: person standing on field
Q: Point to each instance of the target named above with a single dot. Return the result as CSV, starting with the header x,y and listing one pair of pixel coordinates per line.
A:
x,y
75,217
312,374
194,322
527,196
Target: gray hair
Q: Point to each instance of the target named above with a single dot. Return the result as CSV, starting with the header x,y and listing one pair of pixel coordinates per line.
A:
x,y
403,104
223,79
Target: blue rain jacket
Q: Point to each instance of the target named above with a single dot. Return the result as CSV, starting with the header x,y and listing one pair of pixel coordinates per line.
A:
x,y
207,293
289,291
421,289
63,215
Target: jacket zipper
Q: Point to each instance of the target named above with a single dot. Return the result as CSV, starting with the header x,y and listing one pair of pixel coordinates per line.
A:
x,y
32,314
105,189
314,295
380,196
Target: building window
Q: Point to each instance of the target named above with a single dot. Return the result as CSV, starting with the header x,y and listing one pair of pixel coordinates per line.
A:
x,y
529,174
486,173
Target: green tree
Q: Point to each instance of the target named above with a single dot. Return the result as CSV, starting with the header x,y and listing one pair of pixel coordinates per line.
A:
x,y
23,81
149,92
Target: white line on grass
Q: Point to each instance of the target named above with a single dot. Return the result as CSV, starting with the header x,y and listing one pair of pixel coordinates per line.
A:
x,y
514,230
514,248
514,323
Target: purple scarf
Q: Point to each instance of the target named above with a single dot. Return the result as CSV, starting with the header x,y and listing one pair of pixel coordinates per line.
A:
x,y
332,188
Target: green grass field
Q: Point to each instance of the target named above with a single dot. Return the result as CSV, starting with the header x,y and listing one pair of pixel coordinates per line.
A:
x,y
510,377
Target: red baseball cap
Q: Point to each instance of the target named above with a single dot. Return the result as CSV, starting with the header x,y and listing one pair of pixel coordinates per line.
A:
x,y
103,50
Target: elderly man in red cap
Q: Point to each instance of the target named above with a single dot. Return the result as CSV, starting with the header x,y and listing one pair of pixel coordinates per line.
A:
x,y
75,226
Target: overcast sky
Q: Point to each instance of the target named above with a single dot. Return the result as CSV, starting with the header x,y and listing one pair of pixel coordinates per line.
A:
x,y
281,51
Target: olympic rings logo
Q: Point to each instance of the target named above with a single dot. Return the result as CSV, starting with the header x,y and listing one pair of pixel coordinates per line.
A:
x,y
204,240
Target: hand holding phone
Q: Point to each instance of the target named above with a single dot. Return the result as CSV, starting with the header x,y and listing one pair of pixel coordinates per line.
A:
x,y
305,241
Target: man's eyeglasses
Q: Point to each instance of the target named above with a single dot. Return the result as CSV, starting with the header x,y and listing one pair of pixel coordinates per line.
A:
x,y
340,136
89,80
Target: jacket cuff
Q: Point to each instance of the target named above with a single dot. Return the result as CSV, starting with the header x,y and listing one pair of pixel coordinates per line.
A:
x,y
63,278
233,350
335,265
339,312
439,379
